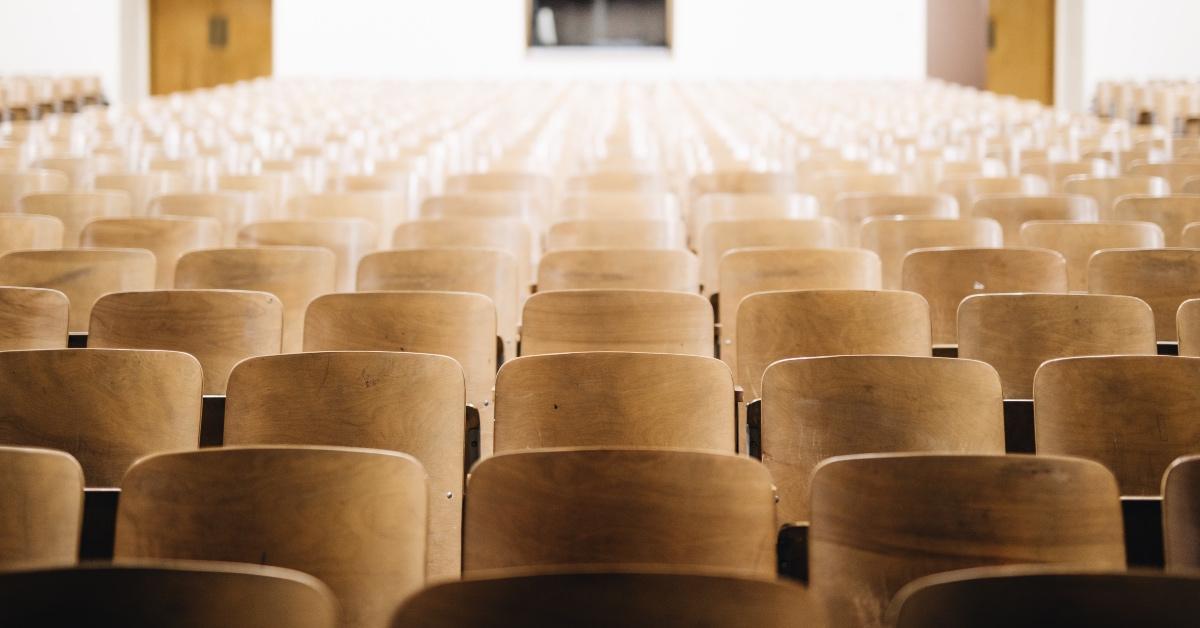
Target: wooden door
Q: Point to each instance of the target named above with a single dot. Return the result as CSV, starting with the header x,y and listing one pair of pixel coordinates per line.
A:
x,y
201,43
1020,58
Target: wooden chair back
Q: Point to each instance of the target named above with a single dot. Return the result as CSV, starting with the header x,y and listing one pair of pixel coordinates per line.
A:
x,y
853,209
773,326
1164,278
105,407
232,209
294,274
506,235
893,237
295,507
967,189
882,521
83,275
76,209
1106,190
1176,173
619,269
818,408
1188,326
720,237
19,232
1171,213
635,506
15,184
624,182
384,210
494,205
946,276
142,187
408,402
1017,333
168,238
651,321
1181,514
1014,210
618,206
41,508
608,233
218,327
536,185
33,318
1056,172
349,239
275,188
742,182
719,207
1078,241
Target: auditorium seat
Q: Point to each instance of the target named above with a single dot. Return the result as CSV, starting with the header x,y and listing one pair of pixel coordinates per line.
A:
x,y
852,209
726,206
1014,210
217,327
1078,241
15,184
106,407
653,321
142,187
945,276
1188,326
1175,173
741,182
817,408
32,318
384,210
29,231
1057,172
970,188
1172,213
615,399
274,188
1191,236
880,521
167,237
407,402
618,206
625,182
505,235
1164,278
354,518
83,275
41,506
722,236
1106,190
76,209
609,233
619,508
232,209
619,269
494,205
349,239
294,274
893,237
1017,333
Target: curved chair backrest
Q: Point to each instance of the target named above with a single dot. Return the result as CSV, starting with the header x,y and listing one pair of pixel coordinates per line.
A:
x,y
41,508
167,237
893,237
349,239
1078,241
33,318
84,275
651,321
76,209
1164,278
619,269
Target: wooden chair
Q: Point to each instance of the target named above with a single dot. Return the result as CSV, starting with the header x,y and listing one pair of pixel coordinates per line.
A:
x,y
596,599
490,272
660,206
536,185
20,232
613,399
455,324
15,184
996,597
354,518
218,327
506,235
967,189
1191,236
1017,333
1164,278
638,234
1078,241
384,210
106,407
720,237
721,207
630,507
275,188
893,237
746,271
852,209
774,326
32,318
1181,514
394,181
409,402
83,275
496,205
1146,404
1172,213
1106,190
41,508
1188,325
1176,173
619,269
168,238
742,182
1014,210
184,594
817,408
832,185
1056,172
142,187
651,321
76,209
294,274
232,209
626,182
946,276
882,521
350,239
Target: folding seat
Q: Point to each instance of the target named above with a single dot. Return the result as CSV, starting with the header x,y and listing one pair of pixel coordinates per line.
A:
x,y
880,521
490,272
232,209
384,210
946,276
1106,190
606,233
142,187
76,209
1014,210
1164,278
41,509
893,237
1191,186
1056,172
618,181
505,235
1172,213
1188,326
80,171
742,182
600,599
652,321
32,318
1191,236
20,232
184,594
996,597
106,407
1017,333
620,507
721,207
538,186
723,236
397,182
218,327
17,183
968,189
483,205
614,399
618,206
774,326
354,518
275,188
1176,173
83,275
294,274
817,408
831,186
1078,241
852,209
349,239
455,324
408,402
619,269
1181,513
167,237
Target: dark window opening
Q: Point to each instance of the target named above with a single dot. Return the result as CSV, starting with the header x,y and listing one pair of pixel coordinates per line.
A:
x,y
598,23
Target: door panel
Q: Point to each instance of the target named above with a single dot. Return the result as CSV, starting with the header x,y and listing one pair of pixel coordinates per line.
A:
x,y
1020,58
201,43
